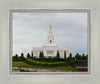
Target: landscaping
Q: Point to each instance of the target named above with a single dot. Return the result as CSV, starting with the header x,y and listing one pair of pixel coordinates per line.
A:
x,y
68,64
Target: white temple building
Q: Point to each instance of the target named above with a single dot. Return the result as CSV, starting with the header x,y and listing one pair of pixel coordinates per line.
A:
x,y
50,48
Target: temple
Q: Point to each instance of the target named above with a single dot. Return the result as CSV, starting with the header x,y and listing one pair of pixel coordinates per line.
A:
x,y
50,48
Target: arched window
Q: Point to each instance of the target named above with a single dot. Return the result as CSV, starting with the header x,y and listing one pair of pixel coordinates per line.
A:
x,y
50,41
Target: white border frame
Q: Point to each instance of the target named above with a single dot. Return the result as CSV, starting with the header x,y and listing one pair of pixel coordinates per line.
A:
x,y
6,78
88,11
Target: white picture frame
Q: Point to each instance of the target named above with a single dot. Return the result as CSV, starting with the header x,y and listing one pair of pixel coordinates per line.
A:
x,y
87,11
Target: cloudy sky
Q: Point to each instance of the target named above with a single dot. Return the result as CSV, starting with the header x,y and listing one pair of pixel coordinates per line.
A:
x,y
31,30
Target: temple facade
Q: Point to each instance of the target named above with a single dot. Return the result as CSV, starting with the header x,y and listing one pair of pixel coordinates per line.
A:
x,y
50,48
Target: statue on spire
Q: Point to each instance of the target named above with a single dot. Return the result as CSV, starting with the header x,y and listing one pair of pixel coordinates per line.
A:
x,y
50,27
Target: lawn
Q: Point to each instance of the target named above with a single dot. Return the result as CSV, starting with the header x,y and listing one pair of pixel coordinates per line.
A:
x,y
47,65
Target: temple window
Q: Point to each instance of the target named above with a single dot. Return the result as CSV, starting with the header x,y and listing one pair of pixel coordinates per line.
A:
x,y
50,41
50,52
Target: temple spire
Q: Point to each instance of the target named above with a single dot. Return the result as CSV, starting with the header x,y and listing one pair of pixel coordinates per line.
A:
x,y
50,27
50,36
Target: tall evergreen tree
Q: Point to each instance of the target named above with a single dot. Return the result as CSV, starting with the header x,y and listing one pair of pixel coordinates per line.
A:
x,y
41,55
32,54
28,56
77,56
70,56
64,54
86,57
15,58
16,55
58,55
22,58
83,57
22,55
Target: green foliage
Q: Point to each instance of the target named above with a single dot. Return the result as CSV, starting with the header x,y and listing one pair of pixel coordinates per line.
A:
x,y
22,64
49,59
22,58
56,62
15,58
70,57
34,58
70,68
77,56
32,54
28,56
83,57
22,55
19,64
70,61
58,55
33,62
65,55
86,57
41,55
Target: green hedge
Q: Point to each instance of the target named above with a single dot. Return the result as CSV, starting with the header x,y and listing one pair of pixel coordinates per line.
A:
x,y
33,62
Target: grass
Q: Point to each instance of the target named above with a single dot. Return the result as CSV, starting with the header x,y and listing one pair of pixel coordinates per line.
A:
x,y
23,64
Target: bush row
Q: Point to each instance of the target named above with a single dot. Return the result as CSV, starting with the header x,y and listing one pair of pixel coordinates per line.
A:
x,y
33,62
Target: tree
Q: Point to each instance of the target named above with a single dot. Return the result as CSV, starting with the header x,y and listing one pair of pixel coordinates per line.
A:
x,y
15,58
32,54
22,55
22,58
65,55
70,60
71,63
86,57
83,57
70,56
41,55
58,55
77,56
16,55
28,56
34,58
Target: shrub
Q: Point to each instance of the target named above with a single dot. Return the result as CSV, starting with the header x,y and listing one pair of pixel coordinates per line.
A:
x,y
33,62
